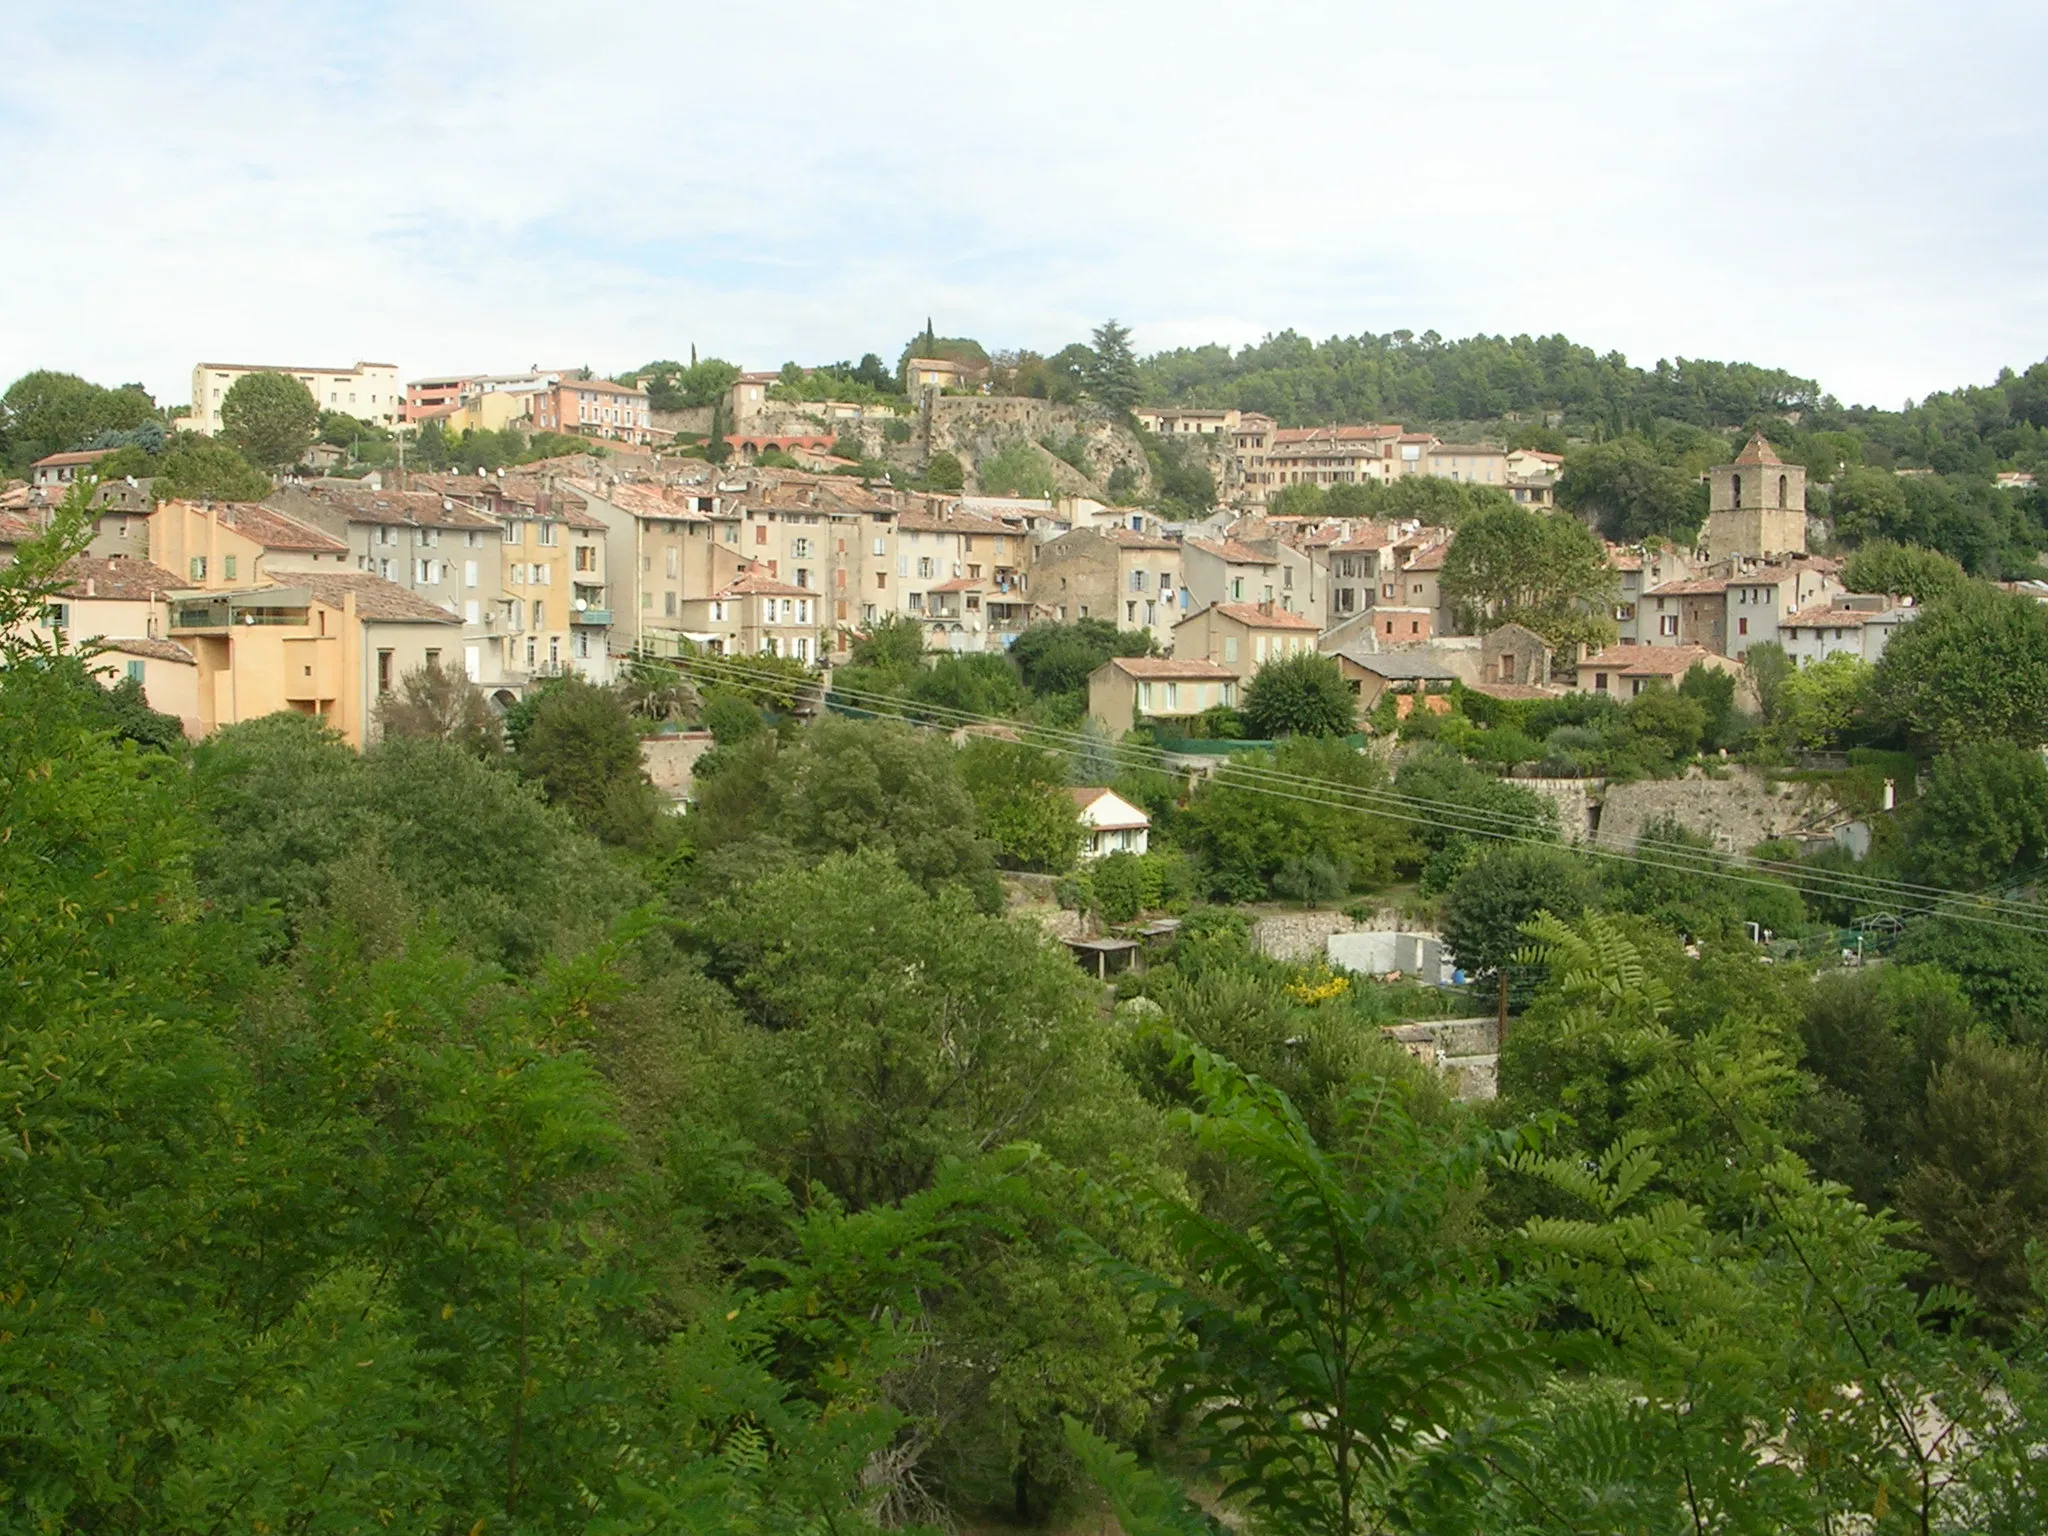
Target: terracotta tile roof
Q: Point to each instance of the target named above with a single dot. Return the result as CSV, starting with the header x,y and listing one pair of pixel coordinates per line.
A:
x,y
1130,538
1649,660
1233,552
1469,450
649,502
377,600
1371,432
412,509
118,580
1623,562
1172,669
155,650
1828,616
1698,586
274,530
750,585
961,584
1257,618
954,522
603,387
78,456
1430,559
1758,451
19,528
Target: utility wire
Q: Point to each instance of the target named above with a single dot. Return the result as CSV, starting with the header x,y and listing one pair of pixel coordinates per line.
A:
x,y
1676,858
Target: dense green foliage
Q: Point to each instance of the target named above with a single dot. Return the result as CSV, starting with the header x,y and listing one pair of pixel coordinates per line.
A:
x,y
270,419
1508,565
386,1149
1300,695
45,412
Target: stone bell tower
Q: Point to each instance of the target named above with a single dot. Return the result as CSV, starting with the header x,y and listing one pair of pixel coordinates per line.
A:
x,y
1756,507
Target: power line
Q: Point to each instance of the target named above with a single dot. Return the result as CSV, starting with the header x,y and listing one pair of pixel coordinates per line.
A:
x,y
1477,822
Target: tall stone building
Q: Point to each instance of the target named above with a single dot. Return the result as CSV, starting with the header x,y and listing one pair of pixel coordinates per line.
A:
x,y
1756,506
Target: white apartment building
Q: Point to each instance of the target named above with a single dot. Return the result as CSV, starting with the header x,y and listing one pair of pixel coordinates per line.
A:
x,y
368,391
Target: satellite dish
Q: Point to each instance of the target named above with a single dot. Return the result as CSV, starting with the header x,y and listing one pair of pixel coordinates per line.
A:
x,y
447,505
581,605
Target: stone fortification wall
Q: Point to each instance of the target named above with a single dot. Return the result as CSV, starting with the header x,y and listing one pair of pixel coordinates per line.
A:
x,y
1737,807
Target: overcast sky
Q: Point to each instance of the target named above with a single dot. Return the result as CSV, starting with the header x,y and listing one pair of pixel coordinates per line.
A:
x,y
1853,191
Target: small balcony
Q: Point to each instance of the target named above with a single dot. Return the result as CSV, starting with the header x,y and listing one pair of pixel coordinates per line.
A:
x,y
599,618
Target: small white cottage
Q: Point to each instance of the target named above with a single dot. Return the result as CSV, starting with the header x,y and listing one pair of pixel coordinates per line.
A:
x,y
1111,823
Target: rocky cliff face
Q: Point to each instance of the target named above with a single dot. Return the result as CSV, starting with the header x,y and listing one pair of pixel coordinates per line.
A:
x,y
976,428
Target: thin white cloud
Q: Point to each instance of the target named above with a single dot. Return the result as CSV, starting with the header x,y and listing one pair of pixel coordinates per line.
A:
x,y
1849,191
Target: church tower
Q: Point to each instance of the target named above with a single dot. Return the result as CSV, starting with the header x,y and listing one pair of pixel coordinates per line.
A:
x,y
1756,507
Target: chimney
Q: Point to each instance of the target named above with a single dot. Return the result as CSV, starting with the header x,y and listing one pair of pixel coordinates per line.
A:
x,y
1266,606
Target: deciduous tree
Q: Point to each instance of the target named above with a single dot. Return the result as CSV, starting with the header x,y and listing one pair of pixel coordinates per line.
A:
x,y
270,419
1507,564
1300,695
1973,665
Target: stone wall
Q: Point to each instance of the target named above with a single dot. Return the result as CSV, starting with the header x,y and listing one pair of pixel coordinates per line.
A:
x,y
1738,807
1738,810
670,759
1299,935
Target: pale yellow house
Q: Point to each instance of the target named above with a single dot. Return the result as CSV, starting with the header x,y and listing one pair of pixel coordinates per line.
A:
x,y
121,607
1243,637
233,544
328,644
756,614
1124,688
368,391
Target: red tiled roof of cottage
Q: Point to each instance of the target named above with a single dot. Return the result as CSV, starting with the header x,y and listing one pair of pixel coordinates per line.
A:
x,y
1255,617
1698,586
117,580
1172,669
1758,451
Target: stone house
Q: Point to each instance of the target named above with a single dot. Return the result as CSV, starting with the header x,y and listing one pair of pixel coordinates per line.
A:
x,y
1134,580
1512,653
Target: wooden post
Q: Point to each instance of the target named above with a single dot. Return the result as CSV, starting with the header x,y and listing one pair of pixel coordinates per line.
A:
x,y
1500,1038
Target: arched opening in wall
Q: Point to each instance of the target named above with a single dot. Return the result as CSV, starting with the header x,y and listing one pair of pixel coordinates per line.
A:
x,y
1783,481
1736,482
